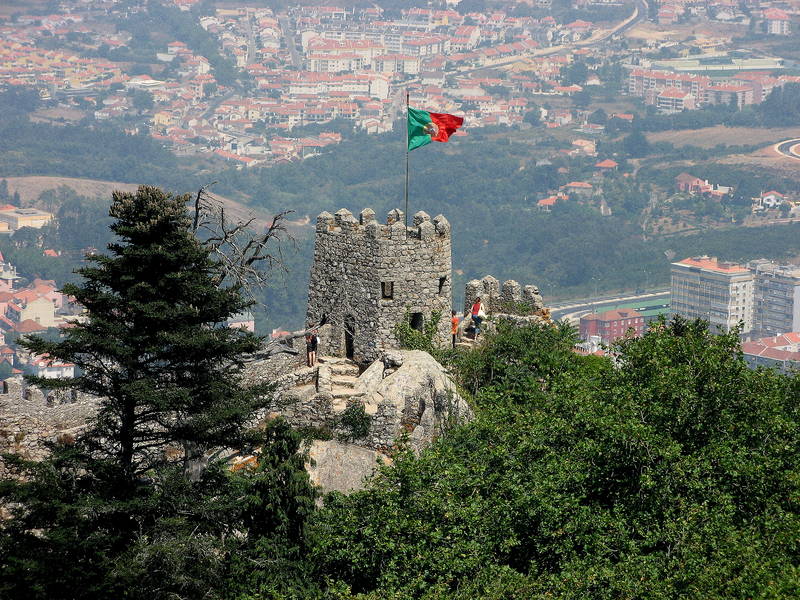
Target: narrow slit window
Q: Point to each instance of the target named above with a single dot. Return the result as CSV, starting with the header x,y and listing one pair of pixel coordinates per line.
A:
x,y
442,281
387,290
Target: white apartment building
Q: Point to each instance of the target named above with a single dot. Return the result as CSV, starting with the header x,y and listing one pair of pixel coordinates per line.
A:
x,y
777,297
719,292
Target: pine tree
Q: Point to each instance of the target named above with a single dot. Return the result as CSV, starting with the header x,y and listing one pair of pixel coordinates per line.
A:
x,y
154,347
130,504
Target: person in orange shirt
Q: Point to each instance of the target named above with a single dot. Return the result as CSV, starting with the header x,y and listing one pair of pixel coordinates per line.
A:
x,y
454,327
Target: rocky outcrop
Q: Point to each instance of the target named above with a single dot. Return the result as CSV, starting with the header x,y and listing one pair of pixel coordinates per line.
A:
x,y
341,467
405,395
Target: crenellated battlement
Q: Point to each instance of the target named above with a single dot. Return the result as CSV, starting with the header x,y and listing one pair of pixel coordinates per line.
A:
x,y
343,222
510,298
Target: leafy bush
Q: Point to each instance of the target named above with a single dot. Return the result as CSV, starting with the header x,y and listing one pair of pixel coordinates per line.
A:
x,y
414,339
356,421
673,475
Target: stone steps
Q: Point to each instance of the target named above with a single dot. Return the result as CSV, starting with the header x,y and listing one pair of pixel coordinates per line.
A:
x,y
336,376
349,369
338,391
344,381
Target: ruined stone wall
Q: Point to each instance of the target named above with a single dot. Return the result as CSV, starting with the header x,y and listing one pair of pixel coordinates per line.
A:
x,y
502,300
30,417
366,277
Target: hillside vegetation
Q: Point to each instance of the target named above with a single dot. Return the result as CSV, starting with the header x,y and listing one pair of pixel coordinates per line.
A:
x,y
487,184
671,475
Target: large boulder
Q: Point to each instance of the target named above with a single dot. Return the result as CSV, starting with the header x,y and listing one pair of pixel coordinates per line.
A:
x,y
341,467
410,394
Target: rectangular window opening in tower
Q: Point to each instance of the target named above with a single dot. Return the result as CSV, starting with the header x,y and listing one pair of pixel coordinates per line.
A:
x,y
442,281
417,321
387,290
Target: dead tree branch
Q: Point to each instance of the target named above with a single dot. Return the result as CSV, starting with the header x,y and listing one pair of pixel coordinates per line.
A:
x,y
246,257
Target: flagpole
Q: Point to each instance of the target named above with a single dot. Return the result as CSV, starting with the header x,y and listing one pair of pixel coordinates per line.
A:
x,y
406,211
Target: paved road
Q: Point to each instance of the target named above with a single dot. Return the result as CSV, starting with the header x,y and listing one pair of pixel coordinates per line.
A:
x,y
789,148
251,41
577,308
640,11
288,38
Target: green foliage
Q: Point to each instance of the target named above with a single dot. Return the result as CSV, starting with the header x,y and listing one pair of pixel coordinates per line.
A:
x,y
533,116
575,73
356,421
635,144
131,508
517,308
277,500
104,153
599,117
142,100
17,101
672,475
415,339
780,108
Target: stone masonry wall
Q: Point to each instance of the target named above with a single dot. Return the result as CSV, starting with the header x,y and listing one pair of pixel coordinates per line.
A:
x,y
503,299
31,417
367,276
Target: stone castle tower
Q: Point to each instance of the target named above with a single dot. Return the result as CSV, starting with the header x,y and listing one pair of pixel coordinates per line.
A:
x,y
366,277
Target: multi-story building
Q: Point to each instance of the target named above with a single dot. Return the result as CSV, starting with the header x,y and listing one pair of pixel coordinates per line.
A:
x,y
612,325
719,292
672,100
728,94
778,22
18,218
777,297
642,80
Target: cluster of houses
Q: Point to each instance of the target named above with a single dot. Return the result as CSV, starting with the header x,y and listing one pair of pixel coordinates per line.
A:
x,y
582,190
766,18
314,64
31,310
673,92
310,65
22,63
349,64
685,183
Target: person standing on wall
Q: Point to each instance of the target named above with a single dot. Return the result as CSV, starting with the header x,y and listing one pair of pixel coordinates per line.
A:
x,y
478,314
312,341
454,327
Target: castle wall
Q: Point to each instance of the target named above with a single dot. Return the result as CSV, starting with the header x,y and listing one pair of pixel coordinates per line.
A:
x,y
366,277
31,417
506,299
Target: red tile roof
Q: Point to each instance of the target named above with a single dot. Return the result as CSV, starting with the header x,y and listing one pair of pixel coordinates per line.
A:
x,y
712,264
607,164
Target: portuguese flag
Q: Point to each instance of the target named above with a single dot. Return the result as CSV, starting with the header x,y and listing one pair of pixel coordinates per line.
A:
x,y
425,127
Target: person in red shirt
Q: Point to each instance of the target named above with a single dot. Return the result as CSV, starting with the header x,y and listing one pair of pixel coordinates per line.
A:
x,y
478,314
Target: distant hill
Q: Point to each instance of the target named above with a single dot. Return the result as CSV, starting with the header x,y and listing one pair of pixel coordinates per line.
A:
x,y
31,187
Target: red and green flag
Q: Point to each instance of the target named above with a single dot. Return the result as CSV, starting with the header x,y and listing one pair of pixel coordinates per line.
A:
x,y
425,127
